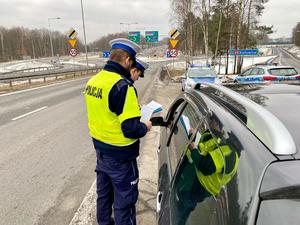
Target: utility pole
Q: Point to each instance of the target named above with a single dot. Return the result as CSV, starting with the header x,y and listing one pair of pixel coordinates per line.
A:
x,y
50,34
86,51
2,43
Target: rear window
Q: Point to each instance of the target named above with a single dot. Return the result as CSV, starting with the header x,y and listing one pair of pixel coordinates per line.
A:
x,y
278,212
201,72
283,71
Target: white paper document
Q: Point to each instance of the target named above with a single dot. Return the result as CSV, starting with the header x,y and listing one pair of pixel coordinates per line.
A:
x,y
186,123
149,109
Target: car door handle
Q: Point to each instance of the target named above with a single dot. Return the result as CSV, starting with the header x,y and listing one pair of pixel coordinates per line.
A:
x,y
158,201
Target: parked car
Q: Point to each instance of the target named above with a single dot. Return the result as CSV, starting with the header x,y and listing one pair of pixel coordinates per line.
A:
x,y
268,73
229,155
198,74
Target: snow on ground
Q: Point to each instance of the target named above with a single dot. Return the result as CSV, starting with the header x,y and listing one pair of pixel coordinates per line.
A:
x,y
71,62
21,65
295,50
265,51
248,61
154,59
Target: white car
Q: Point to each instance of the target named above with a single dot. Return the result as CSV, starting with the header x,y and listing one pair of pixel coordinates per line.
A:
x,y
198,74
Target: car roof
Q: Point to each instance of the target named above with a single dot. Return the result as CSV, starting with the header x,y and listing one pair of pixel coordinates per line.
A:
x,y
270,123
281,99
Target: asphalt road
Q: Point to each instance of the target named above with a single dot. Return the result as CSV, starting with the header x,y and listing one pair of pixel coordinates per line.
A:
x,y
287,59
46,156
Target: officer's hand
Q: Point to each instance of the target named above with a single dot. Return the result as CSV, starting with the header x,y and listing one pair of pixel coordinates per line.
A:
x,y
148,124
192,146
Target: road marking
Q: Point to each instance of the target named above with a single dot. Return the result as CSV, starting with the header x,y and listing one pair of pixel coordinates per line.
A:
x,y
36,88
19,117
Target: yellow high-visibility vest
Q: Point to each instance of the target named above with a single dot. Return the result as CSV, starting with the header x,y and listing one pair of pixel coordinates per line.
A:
x,y
105,125
213,183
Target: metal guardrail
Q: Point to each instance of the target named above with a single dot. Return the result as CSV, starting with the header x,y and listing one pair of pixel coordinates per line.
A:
x,y
12,80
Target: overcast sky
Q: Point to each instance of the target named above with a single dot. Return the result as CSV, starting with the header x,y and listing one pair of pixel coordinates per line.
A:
x,y
104,16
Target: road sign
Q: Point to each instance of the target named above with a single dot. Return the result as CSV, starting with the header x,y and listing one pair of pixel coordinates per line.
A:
x,y
173,42
106,54
173,52
73,52
168,53
151,36
72,42
174,33
243,52
72,33
135,36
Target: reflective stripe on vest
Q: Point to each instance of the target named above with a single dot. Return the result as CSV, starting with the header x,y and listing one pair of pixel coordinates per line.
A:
x,y
103,124
213,183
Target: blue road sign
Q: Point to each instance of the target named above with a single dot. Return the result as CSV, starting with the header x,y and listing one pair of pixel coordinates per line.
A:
x,y
106,54
243,52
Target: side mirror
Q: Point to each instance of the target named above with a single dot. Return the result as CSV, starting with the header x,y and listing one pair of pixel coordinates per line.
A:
x,y
158,121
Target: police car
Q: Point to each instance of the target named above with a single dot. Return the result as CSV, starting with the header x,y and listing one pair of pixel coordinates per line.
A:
x,y
198,74
252,175
267,73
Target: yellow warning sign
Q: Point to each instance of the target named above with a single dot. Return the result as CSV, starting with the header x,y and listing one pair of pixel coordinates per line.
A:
x,y
72,42
173,42
72,33
174,33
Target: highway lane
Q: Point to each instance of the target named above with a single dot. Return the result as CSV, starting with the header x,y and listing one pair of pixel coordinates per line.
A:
x,y
287,59
46,157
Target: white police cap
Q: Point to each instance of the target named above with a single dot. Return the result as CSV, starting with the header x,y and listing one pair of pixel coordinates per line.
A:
x,y
126,45
142,66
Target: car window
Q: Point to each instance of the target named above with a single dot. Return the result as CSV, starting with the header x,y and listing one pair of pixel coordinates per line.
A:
x,y
192,196
283,71
246,73
254,71
278,212
261,71
242,174
200,72
183,128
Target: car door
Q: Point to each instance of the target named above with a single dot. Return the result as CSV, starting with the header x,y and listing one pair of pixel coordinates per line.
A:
x,y
191,203
243,76
164,176
184,124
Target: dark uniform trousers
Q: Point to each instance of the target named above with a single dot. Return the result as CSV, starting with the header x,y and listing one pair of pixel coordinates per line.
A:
x,y
117,186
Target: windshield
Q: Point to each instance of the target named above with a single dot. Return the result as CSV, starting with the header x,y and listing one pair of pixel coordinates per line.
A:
x,y
200,72
283,71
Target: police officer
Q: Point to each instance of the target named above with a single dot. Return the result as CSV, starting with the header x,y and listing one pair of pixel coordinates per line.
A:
x,y
138,70
115,127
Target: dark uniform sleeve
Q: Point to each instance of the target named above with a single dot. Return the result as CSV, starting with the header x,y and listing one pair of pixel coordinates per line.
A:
x,y
132,128
203,163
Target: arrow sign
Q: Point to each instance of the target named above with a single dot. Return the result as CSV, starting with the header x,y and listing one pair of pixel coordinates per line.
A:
x,y
106,54
72,42
173,42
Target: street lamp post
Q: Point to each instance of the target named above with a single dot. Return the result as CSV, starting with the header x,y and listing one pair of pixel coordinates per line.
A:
x,y
128,24
50,33
86,52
